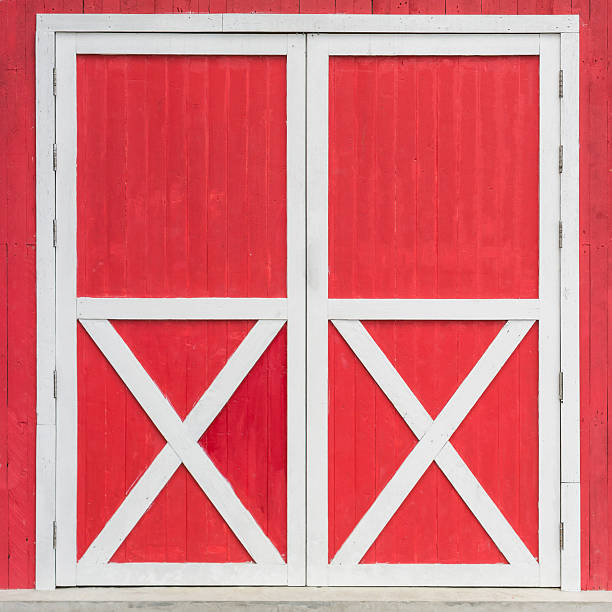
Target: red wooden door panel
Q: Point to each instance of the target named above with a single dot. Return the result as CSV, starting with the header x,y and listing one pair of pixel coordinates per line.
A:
x,y
174,434
433,313
433,193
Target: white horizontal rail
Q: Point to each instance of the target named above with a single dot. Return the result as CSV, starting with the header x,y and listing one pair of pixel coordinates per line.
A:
x,y
434,44
237,22
178,574
434,310
182,308
181,44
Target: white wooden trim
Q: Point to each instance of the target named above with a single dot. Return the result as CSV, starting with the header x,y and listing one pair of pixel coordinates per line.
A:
x,y
549,323
304,23
45,312
433,310
427,448
433,44
570,553
181,44
438,574
296,306
570,315
417,418
166,463
66,310
317,323
182,574
182,308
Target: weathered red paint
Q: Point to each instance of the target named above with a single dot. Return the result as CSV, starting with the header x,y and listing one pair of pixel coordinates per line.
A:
x,y
17,236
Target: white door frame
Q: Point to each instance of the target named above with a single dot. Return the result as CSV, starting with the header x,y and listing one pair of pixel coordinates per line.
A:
x,y
95,567
562,33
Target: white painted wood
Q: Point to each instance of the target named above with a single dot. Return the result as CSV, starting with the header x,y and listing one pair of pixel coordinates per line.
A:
x,y
417,418
54,22
570,315
182,308
45,311
438,574
296,303
433,310
66,310
570,554
237,22
181,44
549,323
317,322
427,448
433,44
167,462
182,574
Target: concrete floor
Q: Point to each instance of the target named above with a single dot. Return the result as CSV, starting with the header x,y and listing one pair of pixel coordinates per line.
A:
x,y
301,599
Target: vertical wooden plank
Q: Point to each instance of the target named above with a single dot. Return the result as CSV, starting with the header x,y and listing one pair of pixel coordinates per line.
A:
x,y
549,324
317,290
570,314
45,317
66,310
296,322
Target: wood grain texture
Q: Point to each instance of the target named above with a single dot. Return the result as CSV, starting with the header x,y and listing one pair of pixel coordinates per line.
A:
x,y
17,106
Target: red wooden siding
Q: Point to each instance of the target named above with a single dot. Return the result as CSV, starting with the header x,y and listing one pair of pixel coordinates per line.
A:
x,y
17,236
455,222
181,176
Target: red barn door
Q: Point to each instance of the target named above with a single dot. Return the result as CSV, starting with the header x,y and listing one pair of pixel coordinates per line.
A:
x,y
433,310
180,309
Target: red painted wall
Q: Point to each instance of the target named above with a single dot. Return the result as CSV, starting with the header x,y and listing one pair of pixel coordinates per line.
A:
x,y
17,249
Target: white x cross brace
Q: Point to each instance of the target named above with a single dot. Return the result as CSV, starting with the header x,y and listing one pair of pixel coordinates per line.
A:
x,y
433,444
182,442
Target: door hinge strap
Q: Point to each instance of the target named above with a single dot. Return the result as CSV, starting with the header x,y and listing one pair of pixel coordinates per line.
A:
x,y
560,234
54,535
560,386
560,83
55,384
560,159
54,81
54,157
561,536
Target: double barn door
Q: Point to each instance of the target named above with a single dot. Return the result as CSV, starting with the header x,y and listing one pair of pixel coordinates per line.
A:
x,y
307,309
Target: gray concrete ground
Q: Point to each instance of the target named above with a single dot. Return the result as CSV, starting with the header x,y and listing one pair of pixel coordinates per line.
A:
x,y
299,599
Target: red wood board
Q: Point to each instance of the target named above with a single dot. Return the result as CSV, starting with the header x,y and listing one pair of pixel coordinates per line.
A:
x,y
17,226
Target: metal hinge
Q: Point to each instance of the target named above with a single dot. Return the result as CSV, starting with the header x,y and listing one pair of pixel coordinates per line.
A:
x,y
54,233
561,536
560,234
560,159
54,81
54,157
55,384
560,83
54,535
560,386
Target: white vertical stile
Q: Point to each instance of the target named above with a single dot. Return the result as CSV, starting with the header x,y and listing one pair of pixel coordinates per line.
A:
x,y
45,311
570,315
296,317
549,342
66,310
317,291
